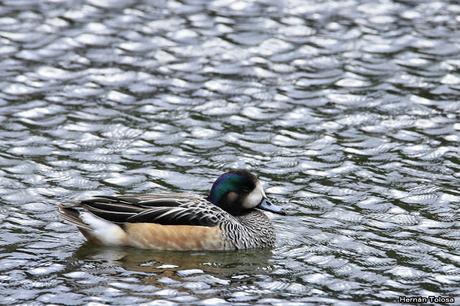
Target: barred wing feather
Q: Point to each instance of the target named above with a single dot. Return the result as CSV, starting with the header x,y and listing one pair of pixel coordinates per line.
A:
x,y
165,209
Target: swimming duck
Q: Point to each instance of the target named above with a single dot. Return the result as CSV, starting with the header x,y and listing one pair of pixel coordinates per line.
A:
x,y
230,218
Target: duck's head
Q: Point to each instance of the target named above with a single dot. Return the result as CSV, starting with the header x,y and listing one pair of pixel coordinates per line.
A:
x,y
238,191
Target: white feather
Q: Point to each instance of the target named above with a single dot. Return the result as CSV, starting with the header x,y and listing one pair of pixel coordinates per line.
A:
x,y
254,197
106,232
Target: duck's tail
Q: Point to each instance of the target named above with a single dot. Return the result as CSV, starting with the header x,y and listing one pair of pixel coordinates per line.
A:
x,y
72,215
94,229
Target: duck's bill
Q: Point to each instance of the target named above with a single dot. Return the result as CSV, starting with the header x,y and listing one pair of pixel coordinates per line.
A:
x,y
269,206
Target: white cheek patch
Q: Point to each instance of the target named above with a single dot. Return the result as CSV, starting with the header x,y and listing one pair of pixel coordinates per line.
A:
x,y
254,198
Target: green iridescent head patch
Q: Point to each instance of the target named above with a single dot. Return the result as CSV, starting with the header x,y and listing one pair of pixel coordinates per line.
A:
x,y
237,181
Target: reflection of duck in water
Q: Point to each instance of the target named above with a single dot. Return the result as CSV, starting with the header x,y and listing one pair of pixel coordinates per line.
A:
x,y
167,263
229,218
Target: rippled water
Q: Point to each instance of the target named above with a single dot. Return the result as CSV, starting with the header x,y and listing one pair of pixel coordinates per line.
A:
x,y
348,110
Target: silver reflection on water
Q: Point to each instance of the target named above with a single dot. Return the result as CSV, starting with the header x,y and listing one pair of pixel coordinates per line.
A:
x,y
347,110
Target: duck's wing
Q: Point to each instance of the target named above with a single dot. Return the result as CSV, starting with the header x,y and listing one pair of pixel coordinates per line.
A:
x,y
164,209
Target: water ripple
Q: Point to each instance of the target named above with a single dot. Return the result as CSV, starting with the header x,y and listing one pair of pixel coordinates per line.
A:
x,y
347,110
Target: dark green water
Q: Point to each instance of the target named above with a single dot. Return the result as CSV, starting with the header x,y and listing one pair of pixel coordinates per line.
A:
x,y
347,110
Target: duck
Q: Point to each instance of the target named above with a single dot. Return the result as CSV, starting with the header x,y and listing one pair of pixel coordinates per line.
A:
x,y
232,217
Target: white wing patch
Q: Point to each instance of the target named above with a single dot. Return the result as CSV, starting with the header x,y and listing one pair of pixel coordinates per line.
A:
x,y
106,232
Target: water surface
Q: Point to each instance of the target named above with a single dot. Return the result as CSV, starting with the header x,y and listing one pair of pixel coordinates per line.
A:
x,y
347,110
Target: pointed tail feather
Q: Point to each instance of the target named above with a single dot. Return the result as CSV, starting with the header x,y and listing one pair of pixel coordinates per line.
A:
x,y
72,216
